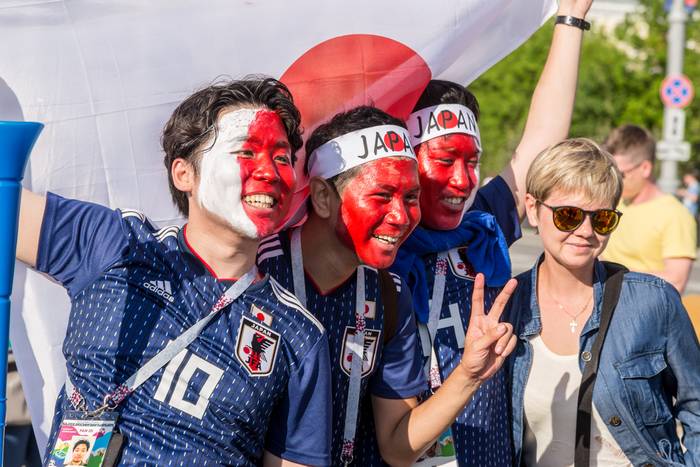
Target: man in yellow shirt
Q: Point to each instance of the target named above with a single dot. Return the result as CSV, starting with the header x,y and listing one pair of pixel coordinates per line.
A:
x,y
657,234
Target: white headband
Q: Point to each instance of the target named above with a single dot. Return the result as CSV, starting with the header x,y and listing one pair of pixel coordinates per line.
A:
x,y
352,149
440,120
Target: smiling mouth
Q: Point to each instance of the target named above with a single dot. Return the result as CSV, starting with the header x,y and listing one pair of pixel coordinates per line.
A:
x,y
454,200
260,201
386,239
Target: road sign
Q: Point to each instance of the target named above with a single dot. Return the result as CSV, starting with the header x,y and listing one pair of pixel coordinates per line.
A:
x,y
674,124
673,150
676,91
689,5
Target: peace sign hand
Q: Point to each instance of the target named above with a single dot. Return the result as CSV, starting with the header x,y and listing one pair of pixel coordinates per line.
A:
x,y
488,342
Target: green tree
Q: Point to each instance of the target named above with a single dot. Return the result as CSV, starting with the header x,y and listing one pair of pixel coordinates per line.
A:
x,y
618,83
645,32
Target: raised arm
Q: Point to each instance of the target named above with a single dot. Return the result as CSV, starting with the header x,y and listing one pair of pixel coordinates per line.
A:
x,y
549,117
404,428
31,215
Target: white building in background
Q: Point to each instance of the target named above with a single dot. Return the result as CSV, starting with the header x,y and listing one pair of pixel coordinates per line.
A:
x,y
609,13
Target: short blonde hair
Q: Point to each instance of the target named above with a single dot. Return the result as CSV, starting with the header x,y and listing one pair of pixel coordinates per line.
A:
x,y
576,165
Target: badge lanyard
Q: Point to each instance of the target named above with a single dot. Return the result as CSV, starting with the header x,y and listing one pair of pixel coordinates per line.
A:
x,y
436,300
356,344
440,277
113,399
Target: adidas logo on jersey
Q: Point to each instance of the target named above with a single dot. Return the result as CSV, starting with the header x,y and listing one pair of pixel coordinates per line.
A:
x,y
160,288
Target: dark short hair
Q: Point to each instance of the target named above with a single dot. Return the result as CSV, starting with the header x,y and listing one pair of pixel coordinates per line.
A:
x,y
358,118
82,441
193,122
632,140
446,92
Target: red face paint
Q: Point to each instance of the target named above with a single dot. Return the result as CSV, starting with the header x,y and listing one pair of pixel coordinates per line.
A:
x,y
448,171
267,175
379,209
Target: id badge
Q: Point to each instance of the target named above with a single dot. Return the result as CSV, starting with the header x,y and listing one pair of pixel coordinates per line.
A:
x,y
82,440
440,453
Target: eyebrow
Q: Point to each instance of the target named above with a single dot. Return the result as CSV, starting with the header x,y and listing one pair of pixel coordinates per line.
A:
x,y
253,140
387,187
236,139
453,151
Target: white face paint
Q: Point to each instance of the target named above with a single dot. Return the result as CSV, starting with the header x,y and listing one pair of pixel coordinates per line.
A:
x,y
220,185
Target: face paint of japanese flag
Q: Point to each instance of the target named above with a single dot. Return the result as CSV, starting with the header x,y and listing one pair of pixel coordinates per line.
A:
x,y
448,167
246,176
448,146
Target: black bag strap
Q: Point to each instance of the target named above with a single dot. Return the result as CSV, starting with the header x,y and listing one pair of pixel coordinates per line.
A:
x,y
390,302
611,294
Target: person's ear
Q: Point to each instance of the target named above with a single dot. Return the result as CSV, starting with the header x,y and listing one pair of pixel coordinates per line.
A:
x,y
183,175
531,210
323,197
647,168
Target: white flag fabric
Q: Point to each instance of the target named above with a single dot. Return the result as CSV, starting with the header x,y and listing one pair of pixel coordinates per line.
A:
x,y
105,75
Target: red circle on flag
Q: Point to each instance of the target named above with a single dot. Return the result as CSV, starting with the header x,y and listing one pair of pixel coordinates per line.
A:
x,y
357,69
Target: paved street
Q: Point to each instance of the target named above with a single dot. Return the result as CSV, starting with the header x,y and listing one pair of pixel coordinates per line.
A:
x,y
526,250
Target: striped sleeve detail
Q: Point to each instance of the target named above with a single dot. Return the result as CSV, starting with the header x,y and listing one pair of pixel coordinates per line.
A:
x,y
159,234
132,213
165,232
286,297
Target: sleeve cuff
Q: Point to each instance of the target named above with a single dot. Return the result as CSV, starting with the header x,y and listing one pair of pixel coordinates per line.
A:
x,y
306,457
405,392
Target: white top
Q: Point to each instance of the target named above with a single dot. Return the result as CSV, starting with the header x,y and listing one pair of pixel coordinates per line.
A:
x,y
551,398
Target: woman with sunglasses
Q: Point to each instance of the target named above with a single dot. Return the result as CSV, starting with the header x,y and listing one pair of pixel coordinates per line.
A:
x,y
648,371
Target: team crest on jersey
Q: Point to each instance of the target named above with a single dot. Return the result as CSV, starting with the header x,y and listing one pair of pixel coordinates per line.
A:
x,y
256,347
369,354
460,266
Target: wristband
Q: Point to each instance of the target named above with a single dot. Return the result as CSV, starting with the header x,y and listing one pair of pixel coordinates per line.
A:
x,y
582,24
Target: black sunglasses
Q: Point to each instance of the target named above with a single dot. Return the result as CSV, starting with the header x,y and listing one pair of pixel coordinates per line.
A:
x,y
569,218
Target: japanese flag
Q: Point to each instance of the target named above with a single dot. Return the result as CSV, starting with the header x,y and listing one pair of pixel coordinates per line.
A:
x,y
104,77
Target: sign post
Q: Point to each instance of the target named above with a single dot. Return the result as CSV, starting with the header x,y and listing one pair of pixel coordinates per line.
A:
x,y
676,93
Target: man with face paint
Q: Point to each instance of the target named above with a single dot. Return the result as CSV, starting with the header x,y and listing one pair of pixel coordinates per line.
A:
x,y
199,355
363,204
465,230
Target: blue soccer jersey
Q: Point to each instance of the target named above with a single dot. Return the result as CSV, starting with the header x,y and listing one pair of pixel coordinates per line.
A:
x,y
256,378
392,371
481,432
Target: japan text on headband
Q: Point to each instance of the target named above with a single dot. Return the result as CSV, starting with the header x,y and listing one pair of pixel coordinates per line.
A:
x,y
441,120
359,147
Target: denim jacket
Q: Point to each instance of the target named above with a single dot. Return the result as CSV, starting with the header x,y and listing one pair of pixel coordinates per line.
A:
x,y
649,373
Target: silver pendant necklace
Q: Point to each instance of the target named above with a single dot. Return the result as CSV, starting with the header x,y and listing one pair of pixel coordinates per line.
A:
x,y
573,324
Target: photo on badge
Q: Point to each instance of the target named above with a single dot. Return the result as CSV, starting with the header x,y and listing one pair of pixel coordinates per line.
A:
x,y
81,442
